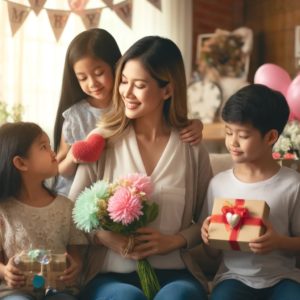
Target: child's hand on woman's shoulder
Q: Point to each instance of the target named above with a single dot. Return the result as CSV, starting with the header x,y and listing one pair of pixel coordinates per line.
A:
x,y
13,277
192,134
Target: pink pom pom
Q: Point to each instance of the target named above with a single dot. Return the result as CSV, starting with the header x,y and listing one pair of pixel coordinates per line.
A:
x,y
90,149
124,207
141,182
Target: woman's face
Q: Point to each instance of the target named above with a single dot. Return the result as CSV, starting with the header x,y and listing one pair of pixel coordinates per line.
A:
x,y
140,92
95,78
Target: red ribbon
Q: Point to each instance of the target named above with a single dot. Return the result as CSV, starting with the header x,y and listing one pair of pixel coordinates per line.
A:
x,y
245,219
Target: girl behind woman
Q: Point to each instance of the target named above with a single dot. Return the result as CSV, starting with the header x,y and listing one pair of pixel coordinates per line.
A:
x,y
86,95
31,216
148,111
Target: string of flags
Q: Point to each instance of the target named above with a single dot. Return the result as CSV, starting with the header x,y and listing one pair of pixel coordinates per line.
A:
x,y
58,18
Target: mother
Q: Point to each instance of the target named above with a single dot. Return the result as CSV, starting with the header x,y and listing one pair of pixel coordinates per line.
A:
x,y
150,88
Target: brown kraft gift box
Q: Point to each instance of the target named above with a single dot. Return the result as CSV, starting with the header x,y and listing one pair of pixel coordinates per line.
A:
x,y
234,222
51,272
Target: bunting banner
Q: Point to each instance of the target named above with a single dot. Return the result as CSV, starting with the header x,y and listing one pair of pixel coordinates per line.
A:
x,y
109,3
17,14
156,3
90,17
77,5
58,20
124,11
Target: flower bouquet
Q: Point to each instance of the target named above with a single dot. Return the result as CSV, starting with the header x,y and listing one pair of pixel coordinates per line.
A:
x,y
288,143
120,207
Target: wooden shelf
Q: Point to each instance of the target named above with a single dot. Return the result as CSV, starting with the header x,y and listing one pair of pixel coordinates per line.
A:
x,y
214,132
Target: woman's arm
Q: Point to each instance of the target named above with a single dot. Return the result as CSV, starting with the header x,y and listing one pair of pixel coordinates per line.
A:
x,y
199,175
84,177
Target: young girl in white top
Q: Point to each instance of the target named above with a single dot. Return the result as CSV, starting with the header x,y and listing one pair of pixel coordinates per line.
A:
x,y
148,111
31,216
86,95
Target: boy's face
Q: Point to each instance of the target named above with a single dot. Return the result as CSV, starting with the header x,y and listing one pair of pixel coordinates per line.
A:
x,y
246,143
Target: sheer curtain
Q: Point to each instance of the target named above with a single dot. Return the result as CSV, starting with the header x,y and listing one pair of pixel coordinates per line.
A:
x,y
31,62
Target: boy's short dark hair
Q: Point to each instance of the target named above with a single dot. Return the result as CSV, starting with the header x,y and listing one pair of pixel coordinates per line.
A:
x,y
258,105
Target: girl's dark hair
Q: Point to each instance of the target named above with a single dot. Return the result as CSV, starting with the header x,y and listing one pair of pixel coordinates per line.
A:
x,y
265,109
15,140
97,43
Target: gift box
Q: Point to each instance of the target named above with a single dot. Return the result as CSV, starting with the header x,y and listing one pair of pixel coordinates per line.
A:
x,y
234,222
42,271
290,163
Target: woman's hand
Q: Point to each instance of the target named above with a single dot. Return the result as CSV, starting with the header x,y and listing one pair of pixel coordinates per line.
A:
x,y
72,272
114,241
150,241
12,275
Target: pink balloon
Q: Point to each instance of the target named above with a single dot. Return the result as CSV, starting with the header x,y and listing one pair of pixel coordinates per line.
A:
x,y
273,77
293,97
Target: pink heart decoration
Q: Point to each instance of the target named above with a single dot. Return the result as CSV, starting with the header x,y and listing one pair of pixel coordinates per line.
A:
x,y
90,149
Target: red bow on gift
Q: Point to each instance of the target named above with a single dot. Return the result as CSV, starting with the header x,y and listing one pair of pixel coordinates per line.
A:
x,y
235,215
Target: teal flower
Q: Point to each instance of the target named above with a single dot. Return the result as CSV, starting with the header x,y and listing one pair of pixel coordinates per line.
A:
x,y
85,212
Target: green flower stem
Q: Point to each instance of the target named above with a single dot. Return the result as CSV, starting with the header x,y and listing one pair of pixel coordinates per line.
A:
x,y
148,278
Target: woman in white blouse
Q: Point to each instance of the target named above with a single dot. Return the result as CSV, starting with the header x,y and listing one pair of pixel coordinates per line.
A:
x,y
151,89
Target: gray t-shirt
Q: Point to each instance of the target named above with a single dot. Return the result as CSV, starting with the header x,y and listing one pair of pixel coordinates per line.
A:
x,y
282,193
80,120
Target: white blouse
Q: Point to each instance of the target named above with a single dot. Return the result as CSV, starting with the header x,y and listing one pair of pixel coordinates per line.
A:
x,y
168,178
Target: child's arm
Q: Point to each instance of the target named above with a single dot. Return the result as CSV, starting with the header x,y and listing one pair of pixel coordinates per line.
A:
x,y
74,260
272,240
13,277
192,134
67,163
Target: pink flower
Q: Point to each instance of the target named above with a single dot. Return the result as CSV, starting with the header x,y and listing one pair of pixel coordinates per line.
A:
x,y
140,182
289,156
124,207
276,155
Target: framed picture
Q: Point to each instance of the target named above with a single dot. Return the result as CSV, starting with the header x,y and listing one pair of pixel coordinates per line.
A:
x,y
229,45
200,40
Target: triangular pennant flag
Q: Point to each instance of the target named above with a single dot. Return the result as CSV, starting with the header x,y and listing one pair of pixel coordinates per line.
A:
x,y
17,14
156,3
58,20
109,3
124,11
77,6
91,17
37,5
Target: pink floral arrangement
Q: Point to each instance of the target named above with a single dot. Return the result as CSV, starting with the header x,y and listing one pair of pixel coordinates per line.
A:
x,y
121,207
